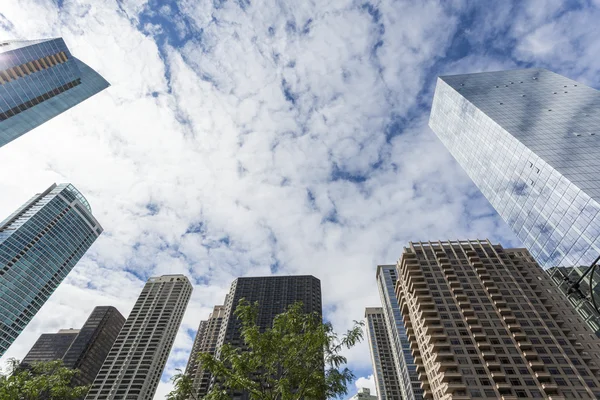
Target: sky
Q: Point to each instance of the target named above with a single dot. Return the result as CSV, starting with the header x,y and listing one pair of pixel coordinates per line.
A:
x,y
249,138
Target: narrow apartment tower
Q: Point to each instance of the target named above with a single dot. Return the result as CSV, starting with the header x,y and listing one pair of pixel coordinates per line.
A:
x,y
386,375
93,343
273,294
205,342
410,386
488,322
136,360
50,347
528,139
40,79
40,243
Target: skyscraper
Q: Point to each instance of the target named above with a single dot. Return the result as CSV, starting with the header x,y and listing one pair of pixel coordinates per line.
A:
x,y
83,349
205,342
387,378
40,79
93,343
363,394
50,346
487,322
410,386
528,139
136,360
40,243
273,294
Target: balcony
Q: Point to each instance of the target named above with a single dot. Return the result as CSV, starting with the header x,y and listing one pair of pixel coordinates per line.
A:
x,y
433,328
543,376
500,303
484,346
505,386
537,365
495,296
471,319
498,376
431,320
443,355
446,365
441,346
488,355
454,284
494,365
514,327
530,355
525,345
519,335
476,328
461,296
484,276
451,376
550,387
479,336
509,319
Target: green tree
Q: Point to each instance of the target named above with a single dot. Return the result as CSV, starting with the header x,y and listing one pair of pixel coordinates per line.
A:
x,y
183,387
298,358
45,380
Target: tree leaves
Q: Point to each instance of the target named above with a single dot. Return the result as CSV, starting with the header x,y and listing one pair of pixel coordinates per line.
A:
x,y
298,358
45,380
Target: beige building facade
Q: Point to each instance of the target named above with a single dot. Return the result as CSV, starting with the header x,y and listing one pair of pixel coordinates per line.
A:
x,y
488,322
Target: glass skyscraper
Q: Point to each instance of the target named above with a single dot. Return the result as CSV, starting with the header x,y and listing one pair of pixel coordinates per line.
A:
x,y
40,243
529,140
410,386
40,79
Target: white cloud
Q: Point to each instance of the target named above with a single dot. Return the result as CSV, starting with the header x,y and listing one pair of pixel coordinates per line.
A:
x,y
256,131
366,382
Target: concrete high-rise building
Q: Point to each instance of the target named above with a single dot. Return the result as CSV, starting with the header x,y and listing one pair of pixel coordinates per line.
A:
x,y
363,394
40,243
93,343
488,322
387,378
40,79
136,360
83,349
205,342
50,347
410,386
273,294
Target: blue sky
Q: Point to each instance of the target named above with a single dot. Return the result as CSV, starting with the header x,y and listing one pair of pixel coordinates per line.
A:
x,y
252,138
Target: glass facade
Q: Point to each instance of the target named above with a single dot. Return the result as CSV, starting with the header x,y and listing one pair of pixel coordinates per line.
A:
x,y
40,79
40,243
410,386
529,141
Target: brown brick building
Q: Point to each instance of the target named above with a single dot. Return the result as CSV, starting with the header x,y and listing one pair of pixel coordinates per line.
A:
x,y
488,322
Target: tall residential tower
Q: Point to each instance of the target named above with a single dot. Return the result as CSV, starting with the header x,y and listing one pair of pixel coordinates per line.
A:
x,y
40,243
410,387
136,360
273,294
487,322
40,79
387,378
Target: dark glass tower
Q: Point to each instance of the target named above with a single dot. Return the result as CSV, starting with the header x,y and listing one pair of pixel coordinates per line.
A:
x,y
40,79
91,346
136,360
50,347
273,294
40,243
83,349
